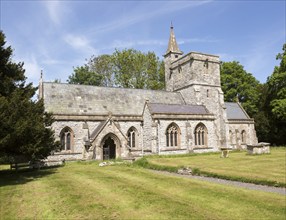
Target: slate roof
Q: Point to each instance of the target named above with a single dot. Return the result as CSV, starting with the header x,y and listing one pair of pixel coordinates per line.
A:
x,y
98,129
71,99
158,108
235,111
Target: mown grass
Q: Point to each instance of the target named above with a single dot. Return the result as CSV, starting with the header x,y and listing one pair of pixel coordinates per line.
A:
x,y
86,191
266,169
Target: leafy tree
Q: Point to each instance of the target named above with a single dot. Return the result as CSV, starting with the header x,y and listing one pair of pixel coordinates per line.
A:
x,y
277,88
238,85
275,105
103,66
82,75
134,69
261,118
127,68
24,125
155,72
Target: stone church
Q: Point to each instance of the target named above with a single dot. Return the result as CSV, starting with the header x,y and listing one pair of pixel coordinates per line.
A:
x,y
189,116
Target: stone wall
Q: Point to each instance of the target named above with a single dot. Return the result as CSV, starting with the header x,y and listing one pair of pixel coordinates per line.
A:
x,y
186,137
197,77
149,131
80,133
192,69
193,79
212,98
235,134
60,156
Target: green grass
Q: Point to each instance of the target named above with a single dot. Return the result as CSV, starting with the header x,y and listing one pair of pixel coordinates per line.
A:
x,y
266,169
82,190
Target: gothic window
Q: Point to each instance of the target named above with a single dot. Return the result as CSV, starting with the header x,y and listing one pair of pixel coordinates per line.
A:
x,y
66,139
132,133
201,135
173,136
243,136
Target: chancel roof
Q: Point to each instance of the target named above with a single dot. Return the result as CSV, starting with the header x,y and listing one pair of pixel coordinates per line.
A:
x,y
71,99
235,111
176,109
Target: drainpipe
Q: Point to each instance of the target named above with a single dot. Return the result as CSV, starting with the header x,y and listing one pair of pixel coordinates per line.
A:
x,y
142,138
158,135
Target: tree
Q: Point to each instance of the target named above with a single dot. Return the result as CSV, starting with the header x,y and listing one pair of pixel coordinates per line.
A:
x,y
82,75
103,66
275,106
134,69
277,88
127,68
238,85
261,118
24,125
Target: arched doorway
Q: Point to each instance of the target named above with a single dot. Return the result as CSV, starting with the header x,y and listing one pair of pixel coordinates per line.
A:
x,y
109,149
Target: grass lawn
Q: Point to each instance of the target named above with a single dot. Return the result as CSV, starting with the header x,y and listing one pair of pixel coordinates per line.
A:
x,y
269,167
83,190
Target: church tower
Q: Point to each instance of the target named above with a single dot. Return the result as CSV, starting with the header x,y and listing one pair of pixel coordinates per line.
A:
x,y
173,53
197,77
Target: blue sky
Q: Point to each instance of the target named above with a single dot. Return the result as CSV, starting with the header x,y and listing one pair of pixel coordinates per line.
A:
x,y
55,36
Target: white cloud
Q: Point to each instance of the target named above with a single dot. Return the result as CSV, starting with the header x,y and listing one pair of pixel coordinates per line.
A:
x,y
33,69
129,44
260,59
78,42
146,13
56,10
194,40
226,57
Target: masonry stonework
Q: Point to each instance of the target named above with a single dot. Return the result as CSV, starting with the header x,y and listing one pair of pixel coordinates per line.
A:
x,y
190,116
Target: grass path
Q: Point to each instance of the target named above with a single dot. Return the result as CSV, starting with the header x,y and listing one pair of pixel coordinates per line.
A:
x,y
263,188
86,191
268,167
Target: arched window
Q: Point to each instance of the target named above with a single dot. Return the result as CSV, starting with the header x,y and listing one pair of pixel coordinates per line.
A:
x,y
172,135
132,140
201,135
243,136
66,139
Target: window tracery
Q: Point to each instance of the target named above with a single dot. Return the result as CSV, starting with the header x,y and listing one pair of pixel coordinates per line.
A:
x,y
66,139
172,136
200,135
132,142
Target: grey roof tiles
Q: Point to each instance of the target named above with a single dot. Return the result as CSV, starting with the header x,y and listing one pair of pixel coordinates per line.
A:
x,y
74,99
71,99
235,111
158,108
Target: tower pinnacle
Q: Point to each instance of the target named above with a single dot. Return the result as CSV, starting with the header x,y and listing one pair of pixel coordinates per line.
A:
x,y
173,46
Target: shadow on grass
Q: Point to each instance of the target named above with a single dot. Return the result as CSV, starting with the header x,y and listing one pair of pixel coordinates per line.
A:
x,y
13,177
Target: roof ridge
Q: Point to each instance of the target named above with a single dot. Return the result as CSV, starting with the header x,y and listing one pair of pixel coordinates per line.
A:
x,y
176,104
108,87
